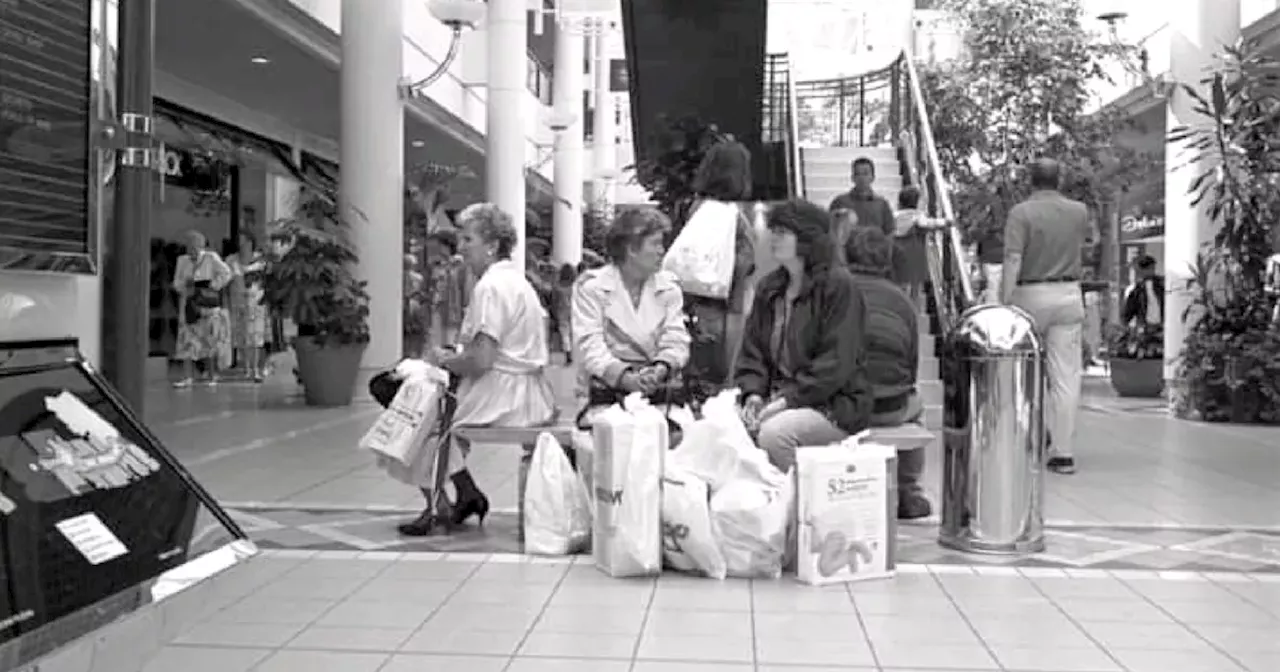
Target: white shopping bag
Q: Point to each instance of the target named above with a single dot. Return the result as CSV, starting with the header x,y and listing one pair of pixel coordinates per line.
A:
x,y
845,511
557,514
401,438
688,542
751,521
732,454
630,442
702,256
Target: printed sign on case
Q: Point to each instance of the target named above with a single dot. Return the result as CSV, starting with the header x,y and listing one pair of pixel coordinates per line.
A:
x,y
92,538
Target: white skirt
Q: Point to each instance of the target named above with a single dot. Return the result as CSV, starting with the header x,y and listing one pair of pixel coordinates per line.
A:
x,y
501,399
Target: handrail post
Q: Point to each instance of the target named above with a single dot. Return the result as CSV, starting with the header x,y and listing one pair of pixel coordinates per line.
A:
x,y
895,99
840,93
862,111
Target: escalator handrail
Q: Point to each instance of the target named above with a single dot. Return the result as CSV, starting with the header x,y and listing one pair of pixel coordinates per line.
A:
x,y
934,172
793,135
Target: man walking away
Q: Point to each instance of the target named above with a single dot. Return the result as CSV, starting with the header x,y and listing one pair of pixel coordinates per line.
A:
x,y
1043,238
871,210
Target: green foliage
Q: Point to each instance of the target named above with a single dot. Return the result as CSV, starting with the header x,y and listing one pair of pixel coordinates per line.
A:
x,y
310,279
1231,354
1136,341
1022,90
675,151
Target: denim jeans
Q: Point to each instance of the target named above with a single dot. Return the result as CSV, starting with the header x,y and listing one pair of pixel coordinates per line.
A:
x,y
782,434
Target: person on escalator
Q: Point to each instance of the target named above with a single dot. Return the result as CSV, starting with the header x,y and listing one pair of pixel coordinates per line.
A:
x,y
870,208
893,357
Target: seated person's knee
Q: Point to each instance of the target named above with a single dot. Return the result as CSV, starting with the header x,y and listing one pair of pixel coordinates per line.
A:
x,y
778,442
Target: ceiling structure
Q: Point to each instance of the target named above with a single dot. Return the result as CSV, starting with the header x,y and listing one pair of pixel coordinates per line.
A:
x,y
270,57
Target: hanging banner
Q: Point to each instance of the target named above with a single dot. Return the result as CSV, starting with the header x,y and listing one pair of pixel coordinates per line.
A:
x,y
1136,229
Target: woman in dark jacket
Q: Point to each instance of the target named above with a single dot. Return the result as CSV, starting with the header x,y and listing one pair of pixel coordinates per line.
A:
x,y
802,366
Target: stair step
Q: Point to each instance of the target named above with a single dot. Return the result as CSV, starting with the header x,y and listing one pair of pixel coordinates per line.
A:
x,y
848,154
929,369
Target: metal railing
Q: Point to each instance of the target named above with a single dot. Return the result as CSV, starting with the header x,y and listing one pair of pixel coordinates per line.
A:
x,y
949,273
850,111
779,119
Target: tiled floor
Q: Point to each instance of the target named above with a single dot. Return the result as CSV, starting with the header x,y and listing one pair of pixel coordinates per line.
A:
x,y
389,612
1076,547
1197,505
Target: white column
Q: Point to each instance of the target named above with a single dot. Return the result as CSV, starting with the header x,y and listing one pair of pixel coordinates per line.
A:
x,y
507,53
567,80
603,127
371,191
1199,30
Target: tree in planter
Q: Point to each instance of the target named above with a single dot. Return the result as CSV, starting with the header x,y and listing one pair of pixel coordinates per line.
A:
x,y
667,172
1020,90
309,280
1231,354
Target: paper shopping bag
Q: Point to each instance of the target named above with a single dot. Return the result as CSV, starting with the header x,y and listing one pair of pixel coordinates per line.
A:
x,y
845,512
401,438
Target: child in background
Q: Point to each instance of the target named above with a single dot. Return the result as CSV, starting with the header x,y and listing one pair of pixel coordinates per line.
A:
x,y
561,313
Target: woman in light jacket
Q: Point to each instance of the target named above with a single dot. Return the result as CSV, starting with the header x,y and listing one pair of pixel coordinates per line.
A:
x,y
628,320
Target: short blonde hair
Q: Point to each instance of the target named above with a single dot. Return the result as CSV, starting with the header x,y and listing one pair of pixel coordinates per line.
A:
x,y
494,226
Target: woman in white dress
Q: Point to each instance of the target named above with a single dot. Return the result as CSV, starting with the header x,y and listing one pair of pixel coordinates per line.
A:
x,y
503,357
204,328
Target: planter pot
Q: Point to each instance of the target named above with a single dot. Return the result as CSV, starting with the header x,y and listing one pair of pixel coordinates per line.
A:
x,y
327,373
1142,378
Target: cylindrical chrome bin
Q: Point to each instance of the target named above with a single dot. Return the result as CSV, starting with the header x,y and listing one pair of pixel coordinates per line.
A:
x,y
994,435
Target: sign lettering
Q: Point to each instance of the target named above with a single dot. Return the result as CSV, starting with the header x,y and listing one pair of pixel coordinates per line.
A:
x,y
673,536
608,496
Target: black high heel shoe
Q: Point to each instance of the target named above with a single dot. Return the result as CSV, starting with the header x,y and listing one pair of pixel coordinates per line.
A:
x,y
424,525
474,505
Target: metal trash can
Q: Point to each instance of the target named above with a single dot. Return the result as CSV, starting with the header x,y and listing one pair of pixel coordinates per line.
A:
x,y
994,434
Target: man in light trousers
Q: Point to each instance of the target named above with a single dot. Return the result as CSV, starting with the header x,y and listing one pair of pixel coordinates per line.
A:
x,y
1043,240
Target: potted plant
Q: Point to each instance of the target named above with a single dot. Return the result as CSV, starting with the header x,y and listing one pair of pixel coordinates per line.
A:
x,y
1230,360
310,281
1137,360
668,171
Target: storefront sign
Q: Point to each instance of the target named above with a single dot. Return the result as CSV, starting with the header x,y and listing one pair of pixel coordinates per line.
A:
x,y
1134,229
44,133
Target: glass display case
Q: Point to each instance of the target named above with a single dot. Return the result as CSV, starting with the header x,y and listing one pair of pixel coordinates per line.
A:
x,y
98,520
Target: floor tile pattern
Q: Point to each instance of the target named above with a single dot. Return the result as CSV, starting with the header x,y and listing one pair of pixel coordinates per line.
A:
x,y
1150,548
394,612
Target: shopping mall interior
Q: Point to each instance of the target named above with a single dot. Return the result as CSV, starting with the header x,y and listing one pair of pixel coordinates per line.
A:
x,y
238,528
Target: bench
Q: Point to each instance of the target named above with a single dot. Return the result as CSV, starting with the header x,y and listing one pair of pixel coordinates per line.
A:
x,y
903,437
527,438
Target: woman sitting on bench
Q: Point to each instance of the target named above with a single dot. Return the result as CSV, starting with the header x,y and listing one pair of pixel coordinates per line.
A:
x,y
802,366
501,364
628,328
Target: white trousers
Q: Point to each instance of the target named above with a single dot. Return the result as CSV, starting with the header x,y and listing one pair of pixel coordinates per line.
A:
x,y
1058,311
994,275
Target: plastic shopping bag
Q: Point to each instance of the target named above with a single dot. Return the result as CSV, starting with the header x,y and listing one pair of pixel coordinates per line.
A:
x,y
687,540
846,512
401,438
630,442
751,521
557,515
749,462
702,256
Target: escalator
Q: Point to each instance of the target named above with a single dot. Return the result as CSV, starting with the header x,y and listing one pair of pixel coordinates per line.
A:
x,y
704,59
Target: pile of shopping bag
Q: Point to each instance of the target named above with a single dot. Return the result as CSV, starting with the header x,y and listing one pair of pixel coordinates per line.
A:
x,y
713,505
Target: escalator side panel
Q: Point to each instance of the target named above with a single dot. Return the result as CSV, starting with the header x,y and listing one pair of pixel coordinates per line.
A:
x,y
703,58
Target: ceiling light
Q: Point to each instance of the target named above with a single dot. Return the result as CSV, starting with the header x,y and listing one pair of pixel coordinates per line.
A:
x,y
259,60
418,143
